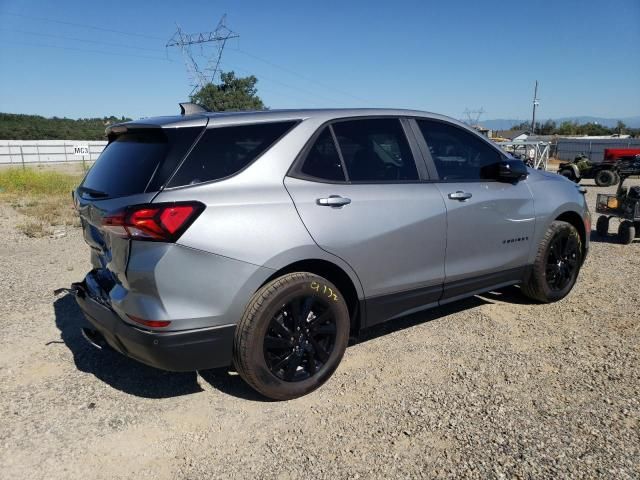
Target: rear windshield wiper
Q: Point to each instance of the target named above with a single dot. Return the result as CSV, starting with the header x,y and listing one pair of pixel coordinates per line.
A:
x,y
93,193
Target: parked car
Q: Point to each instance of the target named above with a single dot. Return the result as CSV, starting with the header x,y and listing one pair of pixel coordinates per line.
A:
x,y
265,239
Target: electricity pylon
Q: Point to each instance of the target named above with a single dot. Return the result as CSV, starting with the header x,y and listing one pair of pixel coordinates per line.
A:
x,y
200,76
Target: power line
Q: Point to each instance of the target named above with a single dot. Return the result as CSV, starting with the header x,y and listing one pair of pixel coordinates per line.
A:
x,y
82,25
98,42
268,79
223,34
164,59
293,72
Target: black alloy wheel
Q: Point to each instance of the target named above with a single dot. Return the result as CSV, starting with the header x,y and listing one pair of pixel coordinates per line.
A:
x,y
292,335
300,338
563,259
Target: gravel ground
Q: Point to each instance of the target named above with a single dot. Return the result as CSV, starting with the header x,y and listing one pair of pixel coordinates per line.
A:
x,y
492,387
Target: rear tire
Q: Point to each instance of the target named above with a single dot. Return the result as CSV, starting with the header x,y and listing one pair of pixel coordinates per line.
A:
x,y
626,232
605,178
292,336
602,225
557,264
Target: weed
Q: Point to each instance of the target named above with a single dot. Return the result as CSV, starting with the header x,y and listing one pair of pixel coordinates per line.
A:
x,y
44,196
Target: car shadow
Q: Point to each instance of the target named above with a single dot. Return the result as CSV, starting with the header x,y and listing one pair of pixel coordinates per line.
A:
x,y
137,379
113,368
228,381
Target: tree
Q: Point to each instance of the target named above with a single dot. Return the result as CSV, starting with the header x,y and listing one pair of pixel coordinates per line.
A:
x,y
547,128
620,127
567,128
232,93
522,126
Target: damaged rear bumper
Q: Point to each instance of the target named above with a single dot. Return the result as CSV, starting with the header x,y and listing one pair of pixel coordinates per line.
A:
x,y
184,350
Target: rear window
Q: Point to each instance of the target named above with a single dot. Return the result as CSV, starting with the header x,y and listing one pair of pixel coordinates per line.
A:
x,y
138,161
224,151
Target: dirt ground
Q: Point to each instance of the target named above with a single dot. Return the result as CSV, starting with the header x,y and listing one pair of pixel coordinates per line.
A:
x,y
491,387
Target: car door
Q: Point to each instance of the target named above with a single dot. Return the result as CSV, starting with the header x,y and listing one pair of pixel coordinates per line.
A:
x,y
359,192
490,223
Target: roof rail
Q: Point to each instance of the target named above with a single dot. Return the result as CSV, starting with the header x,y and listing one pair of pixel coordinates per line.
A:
x,y
188,108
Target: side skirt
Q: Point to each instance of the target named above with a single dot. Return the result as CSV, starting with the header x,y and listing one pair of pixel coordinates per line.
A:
x,y
384,308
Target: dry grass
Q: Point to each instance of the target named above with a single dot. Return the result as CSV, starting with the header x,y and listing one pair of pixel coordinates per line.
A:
x,y
44,196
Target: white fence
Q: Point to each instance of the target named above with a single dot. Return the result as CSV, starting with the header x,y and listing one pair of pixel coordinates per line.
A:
x,y
24,152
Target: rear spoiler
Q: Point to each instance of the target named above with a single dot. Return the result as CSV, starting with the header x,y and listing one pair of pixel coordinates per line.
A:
x,y
186,109
113,131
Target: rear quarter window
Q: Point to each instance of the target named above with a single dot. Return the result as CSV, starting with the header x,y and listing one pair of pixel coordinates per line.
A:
x,y
223,151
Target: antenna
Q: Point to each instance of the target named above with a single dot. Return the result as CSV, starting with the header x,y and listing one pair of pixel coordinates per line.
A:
x,y
473,116
535,104
200,76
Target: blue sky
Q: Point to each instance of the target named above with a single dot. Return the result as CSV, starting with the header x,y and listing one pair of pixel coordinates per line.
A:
x,y
431,55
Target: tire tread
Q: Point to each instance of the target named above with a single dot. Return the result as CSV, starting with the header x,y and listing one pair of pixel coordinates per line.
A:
x,y
533,287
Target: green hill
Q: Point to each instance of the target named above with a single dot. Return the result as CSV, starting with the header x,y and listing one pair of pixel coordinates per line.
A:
x,y
34,127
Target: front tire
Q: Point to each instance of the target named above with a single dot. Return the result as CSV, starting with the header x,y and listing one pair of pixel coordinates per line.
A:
x,y
292,336
557,264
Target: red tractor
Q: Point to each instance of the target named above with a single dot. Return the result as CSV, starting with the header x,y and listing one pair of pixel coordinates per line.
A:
x,y
605,173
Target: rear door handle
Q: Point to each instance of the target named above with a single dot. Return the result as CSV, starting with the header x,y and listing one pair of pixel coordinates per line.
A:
x,y
460,195
333,201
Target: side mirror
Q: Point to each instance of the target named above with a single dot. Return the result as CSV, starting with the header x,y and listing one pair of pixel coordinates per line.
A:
x,y
512,171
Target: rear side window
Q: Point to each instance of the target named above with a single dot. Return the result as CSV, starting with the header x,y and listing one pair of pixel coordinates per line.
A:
x,y
458,154
139,160
375,150
322,161
224,151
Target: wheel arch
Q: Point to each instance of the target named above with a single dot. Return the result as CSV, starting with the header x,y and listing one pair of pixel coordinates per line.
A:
x,y
336,275
575,219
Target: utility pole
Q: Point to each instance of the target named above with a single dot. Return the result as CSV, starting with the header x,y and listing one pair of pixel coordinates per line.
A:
x,y
198,75
535,104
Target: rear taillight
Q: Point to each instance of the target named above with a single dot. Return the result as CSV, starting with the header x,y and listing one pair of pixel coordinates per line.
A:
x,y
162,222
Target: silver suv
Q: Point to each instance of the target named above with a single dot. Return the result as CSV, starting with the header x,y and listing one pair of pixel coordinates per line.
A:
x,y
265,239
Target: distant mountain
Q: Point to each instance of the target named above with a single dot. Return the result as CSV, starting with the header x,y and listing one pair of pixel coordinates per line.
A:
x,y
506,124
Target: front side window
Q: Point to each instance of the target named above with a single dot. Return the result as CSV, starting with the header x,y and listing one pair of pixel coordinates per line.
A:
x,y
224,151
322,161
457,154
375,150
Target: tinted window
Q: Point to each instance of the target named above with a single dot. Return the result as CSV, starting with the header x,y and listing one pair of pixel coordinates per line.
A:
x,y
459,155
323,161
139,160
375,150
222,152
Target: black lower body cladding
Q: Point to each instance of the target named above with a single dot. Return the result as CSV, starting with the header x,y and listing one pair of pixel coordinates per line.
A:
x,y
179,351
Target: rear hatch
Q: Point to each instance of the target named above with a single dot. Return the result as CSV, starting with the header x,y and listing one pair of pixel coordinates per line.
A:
x,y
136,164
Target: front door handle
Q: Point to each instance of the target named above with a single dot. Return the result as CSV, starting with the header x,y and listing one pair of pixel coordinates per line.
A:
x,y
460,195
333,201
